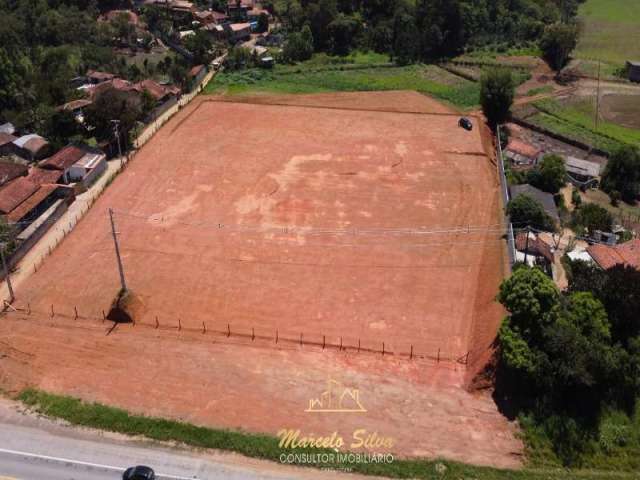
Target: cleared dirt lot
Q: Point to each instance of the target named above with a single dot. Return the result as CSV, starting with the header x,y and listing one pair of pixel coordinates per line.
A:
x,y
355,224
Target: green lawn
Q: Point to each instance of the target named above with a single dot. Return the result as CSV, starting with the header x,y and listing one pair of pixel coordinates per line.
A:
x,y
427,79
611,31
576,121
103,417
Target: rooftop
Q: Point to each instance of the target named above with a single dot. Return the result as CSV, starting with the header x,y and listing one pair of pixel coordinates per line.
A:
x,y
522,148
40,176
6,138
535,246
31,142
627,254
30,203
16,192
64,158
9,171
582,167
545,199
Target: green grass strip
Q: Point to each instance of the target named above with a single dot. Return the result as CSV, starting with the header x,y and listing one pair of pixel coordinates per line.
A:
x,y
95,415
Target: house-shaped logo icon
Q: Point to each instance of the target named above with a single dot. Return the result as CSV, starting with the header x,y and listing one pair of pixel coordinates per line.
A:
x,y
337,399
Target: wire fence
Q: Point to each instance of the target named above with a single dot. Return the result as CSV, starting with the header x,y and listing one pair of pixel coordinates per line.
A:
x,y
237,333
504,184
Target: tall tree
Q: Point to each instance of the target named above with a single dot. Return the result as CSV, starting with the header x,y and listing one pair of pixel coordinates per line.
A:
x,y
497,91
622,173
557,43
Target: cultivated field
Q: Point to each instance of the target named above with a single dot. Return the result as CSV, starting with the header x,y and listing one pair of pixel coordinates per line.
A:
x,y
274,242
610,31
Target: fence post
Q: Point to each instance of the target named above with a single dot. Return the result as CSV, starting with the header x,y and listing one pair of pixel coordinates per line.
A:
x,y
157,323
28,309
300,339
340,343
358,345
228,330
75,309
253,334
179,324
276,335
438,355
52,312
411,354
104,317
204,328
323,341
382,348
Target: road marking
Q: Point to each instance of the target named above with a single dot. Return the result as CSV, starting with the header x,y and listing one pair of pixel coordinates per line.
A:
x,y
81,463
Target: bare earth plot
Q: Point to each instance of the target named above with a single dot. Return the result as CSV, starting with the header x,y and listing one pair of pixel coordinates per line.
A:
x,y
330,219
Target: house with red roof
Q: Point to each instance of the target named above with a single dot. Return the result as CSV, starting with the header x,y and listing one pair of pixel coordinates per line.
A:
x,y
77,163
606,257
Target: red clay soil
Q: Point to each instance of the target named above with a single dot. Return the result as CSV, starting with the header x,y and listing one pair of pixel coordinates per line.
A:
x,y
356,225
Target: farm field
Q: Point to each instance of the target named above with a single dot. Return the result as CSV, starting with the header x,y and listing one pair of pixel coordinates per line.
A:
x,y
268,245
427,79
610,31
575,119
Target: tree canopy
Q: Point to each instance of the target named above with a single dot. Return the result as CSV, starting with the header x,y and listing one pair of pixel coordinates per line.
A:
x,y
622,174
497,91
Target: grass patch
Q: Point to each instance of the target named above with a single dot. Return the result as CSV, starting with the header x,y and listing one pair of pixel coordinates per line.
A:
x,y
615,446
427,79
610,31
539,91
112,419
576,121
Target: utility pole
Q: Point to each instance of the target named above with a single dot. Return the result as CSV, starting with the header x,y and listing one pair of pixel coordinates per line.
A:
x,y
123,284
526,248
116,132
598,96
6,274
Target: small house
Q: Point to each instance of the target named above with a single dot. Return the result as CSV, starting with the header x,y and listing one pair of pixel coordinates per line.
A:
x,y
77,163
7,146
7,127
534,250
238,32
522,154
22,201
9,171
583,173
95,77
606,257
545,199
237,10
634,70
32,147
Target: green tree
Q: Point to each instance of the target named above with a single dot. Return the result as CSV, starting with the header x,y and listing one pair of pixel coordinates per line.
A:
x,y
557,43
622,174
592,217
550,175
525,210
343,30
405,48
113,105
299,46
497,90
199,45
263,23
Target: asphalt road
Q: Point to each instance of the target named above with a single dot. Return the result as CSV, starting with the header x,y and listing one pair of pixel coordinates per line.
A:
x,y
35,448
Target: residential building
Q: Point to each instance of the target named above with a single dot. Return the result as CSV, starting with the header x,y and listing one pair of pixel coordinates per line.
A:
x,y
237,10
32,147
627,254
522,154
7,128
6,144
534,250
22,201
583,173
77,163
197,73
238,32
544,198
95,77
9,171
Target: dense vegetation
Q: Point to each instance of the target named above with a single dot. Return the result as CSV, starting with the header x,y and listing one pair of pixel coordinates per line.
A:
x,y
423,29
570,362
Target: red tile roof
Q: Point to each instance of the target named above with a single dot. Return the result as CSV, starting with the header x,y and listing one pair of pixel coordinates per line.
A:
x,y
155,89
100,76
9,171
195,71
524,149
40,176
16,192
627,254
64,158
6,138
536,246
30,203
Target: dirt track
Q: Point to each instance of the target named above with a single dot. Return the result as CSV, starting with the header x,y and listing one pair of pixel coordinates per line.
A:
x,y
391,236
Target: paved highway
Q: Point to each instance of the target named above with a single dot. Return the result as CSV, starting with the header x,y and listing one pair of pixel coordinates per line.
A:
x,y
35,448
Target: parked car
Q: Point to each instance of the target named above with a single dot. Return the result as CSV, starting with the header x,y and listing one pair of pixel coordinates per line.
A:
x,y
465,123
139,473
